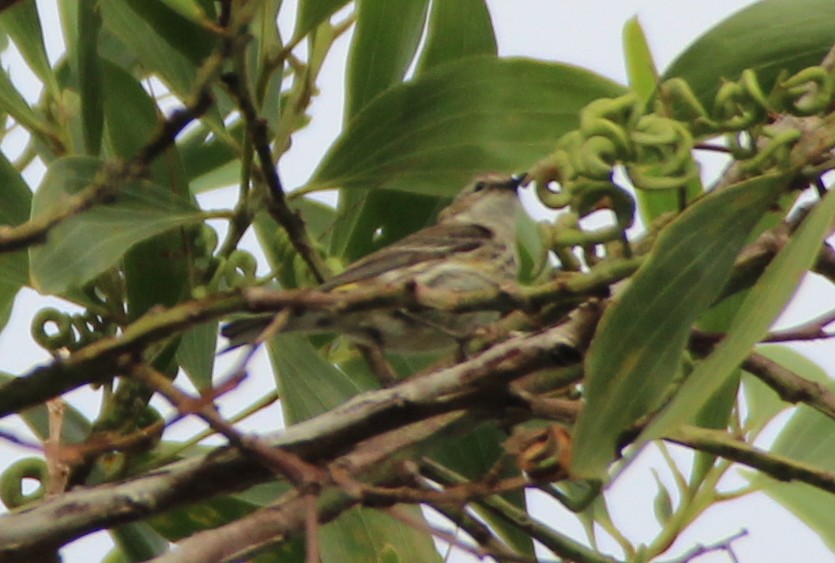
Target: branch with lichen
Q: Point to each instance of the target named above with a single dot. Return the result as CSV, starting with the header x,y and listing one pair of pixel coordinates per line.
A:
x,y
384,420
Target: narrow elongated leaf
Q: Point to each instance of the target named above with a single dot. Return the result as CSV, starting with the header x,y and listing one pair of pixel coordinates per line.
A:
x,y
138,541
381,52
13,103
763,304
637,349
88,68
8,292
196,354
767,36
309,385
163,40
190,9
380,56
371,219
85,245
373,535
640,66
156,269
806,437
431,135
313,12
23,25
457,29
15,204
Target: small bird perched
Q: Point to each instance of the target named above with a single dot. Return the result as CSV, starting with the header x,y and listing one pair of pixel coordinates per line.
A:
x,y
472,247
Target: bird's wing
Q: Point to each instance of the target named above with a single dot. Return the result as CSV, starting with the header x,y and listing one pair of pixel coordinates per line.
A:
x,y
432,243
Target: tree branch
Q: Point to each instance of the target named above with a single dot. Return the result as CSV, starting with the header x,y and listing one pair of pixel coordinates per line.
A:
x,y
417,402
780,467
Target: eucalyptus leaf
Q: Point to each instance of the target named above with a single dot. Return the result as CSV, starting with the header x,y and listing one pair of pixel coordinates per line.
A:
x,y
768,37
457,29
88,68
87,244
13,103
22,23
313,12
138,541
310,385
806,437
165,42
637,349
15,204
433,134
381,52
196,354
763,304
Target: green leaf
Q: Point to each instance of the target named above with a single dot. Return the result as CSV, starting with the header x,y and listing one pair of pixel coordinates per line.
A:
x,y
13,103
763,304
156,269
8,292
189,9
164,41
371,219
373,535
640,66
379,58
307,383
767,36
381,52
433,134
313,12
267,46
209,160
74,429
637,349
457,29
87,244
806,437
310,385
88,69
533,253
472,455
196,354
22,23
138,541
15,204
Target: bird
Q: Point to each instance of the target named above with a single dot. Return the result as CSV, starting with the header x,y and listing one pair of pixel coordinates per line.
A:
x,y
471,247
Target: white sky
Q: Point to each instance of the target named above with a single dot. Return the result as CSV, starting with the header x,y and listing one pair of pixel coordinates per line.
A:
x,y
587,34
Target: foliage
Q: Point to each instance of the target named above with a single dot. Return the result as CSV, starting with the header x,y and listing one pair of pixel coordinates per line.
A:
x,y
619,335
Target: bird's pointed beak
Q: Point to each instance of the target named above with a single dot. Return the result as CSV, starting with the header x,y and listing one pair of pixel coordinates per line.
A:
x,y
517,180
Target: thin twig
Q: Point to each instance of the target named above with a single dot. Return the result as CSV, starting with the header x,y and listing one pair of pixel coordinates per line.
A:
x,y
774,465
283,463
722,545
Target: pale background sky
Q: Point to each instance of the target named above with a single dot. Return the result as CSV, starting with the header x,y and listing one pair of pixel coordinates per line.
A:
x,y
587,34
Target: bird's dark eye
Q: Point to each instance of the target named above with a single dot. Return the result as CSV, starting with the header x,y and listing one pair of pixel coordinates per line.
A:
x,y
479,186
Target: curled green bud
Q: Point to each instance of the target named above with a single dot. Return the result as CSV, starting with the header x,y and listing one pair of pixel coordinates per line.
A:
x,y
11,482
53,330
